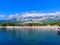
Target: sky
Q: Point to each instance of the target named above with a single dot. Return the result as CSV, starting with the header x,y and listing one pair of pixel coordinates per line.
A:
x,y
8,7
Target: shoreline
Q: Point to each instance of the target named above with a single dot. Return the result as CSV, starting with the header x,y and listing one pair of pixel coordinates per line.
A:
x,y
41,27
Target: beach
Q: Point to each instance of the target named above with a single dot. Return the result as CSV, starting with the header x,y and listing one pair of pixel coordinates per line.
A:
x,y
38,27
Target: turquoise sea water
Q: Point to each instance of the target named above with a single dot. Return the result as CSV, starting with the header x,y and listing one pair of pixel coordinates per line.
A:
x,y
29,36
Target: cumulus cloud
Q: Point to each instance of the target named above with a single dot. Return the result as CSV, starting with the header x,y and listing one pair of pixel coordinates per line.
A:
x,y
54,13
57,13
34,14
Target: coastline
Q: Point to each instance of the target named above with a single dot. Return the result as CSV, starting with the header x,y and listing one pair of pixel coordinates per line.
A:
x,y
39,27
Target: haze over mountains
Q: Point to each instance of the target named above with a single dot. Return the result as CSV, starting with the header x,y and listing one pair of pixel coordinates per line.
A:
x,y
35,16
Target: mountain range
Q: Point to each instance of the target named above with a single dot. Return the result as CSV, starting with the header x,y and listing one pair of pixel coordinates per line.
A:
x,y
35,17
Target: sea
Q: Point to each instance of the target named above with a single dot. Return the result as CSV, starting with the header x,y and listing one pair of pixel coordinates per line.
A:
x,y
29,36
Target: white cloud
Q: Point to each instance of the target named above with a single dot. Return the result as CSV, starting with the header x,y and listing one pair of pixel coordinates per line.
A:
x,y
54,13
51,13
57,13
33,14
10,17
40,14
1,16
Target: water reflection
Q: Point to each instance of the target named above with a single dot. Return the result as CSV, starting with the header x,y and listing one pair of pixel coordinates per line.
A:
x,y
29,36
58,31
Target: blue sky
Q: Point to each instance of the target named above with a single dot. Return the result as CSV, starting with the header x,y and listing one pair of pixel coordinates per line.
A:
x,y
8,7
17,6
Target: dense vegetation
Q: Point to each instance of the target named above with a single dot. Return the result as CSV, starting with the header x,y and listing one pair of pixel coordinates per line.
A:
x,y
30,24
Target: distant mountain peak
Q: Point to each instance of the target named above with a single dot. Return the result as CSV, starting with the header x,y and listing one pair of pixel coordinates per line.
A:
x,y
35,16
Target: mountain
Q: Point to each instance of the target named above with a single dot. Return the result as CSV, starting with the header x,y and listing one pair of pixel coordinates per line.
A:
x,y
36,17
